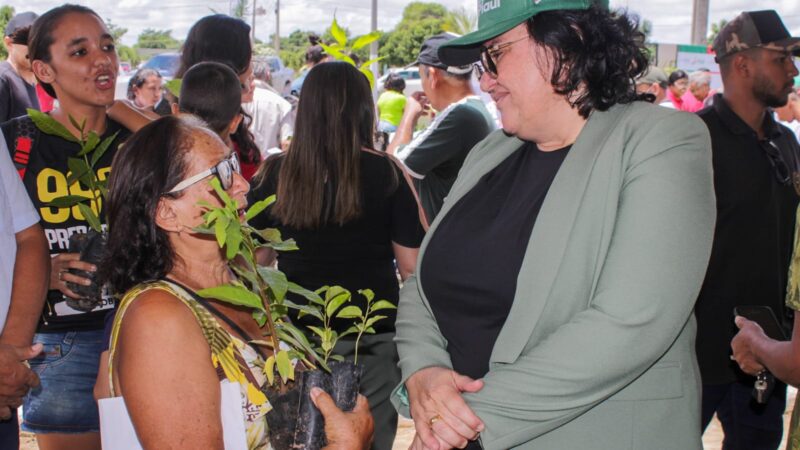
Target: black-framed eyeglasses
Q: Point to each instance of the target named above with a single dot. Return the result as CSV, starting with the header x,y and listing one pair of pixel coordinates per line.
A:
x,y
224,171
489,54
782,172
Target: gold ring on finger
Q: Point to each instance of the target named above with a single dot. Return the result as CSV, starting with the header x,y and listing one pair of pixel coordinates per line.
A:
x,y
434,419
60,275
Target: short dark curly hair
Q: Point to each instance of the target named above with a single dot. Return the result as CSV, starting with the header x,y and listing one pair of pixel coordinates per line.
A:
x,y
150,163
596,54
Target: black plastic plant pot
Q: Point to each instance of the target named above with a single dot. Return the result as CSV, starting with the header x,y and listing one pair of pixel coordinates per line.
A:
x,y
294,422
91,247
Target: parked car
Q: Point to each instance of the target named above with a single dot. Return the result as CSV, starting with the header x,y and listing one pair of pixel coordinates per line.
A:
x,y
409,74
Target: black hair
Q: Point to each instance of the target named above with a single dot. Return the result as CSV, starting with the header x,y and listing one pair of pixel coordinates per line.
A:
x,y
139,79
41,35
151,162
212,92
20,35
335,120
226,40
394,82
217,38
596,55
676,75
314,53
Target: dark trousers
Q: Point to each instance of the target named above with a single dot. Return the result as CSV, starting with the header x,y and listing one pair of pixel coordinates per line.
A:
x,y
747,425
378,354
9,432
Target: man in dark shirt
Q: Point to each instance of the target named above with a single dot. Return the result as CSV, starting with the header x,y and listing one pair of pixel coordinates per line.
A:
x,y
434,157
755,162
17,82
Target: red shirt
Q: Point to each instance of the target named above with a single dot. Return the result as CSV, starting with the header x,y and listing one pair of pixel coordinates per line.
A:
x,y
45,101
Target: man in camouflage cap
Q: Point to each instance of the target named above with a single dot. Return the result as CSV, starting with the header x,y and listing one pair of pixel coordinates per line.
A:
x,y
755,161
754,29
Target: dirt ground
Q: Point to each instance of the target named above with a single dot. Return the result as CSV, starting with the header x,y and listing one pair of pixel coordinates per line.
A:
x,y
712,439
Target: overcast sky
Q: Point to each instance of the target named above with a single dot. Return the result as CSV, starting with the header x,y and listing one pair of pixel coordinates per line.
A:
x,y
671,18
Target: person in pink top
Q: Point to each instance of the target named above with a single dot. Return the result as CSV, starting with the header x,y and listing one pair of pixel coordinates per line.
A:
x,y
699,89
678,83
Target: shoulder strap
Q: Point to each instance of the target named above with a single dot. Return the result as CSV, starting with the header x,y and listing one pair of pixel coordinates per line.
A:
x,y
213,310
23,144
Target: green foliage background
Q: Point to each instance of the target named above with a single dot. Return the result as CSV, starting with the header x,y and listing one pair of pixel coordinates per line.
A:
x,y
6,13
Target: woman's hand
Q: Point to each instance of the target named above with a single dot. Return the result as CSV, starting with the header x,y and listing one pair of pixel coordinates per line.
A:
x,y
743,345
441,416
345,430
59,274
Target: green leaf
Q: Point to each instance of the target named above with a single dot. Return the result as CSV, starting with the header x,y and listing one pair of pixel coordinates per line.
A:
x,y
336,54
351,330
276,280
260,317
368,73
234,294
49,125
78,126
284,246
319,332
372,321
269,369
311,310
270,234
101,149
90,216
174,87
79,171
220,227
336,300
349,312
299,336
337,357
67,201
230,205
338,33
311,296
234,239
382,304
91,142
366,39
285,367
258,207
367,293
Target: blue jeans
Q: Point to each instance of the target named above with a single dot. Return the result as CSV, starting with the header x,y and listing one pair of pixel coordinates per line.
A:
x,y
67,368
747,424
9,432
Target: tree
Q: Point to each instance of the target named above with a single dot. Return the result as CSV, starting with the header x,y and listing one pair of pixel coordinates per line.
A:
x,y
151,38
240,9
460,21
715,29
420,21
6,13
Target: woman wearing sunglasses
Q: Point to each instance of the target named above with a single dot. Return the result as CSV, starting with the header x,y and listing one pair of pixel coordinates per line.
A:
x,y
567,321
169,344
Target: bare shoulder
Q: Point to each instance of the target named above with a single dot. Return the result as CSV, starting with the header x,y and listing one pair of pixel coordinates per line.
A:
x,y
157,315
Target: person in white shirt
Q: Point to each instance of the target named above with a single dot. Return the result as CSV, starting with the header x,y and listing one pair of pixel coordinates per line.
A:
x,y
789,114
24,274
272,122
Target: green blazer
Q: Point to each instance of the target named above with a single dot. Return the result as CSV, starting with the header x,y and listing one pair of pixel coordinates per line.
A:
x,y
598,349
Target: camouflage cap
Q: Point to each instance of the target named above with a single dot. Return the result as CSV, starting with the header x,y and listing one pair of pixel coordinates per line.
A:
x,y
754,29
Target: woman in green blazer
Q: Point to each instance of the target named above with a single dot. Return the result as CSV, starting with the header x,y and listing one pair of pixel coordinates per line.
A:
x,y
552,306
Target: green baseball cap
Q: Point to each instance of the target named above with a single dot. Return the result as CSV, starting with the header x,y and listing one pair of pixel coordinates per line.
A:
x,y
495,17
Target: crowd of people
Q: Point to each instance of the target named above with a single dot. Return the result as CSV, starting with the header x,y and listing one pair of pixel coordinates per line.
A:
x,y
582,277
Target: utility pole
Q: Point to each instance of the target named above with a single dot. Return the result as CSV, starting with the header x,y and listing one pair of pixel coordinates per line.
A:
x,y
253,27
277,26
373,47
700,22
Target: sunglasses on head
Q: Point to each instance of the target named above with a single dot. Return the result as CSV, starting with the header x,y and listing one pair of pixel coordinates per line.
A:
x,y
224,171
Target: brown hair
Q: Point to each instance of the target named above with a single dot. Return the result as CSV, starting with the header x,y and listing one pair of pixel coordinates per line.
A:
x,y
335,120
